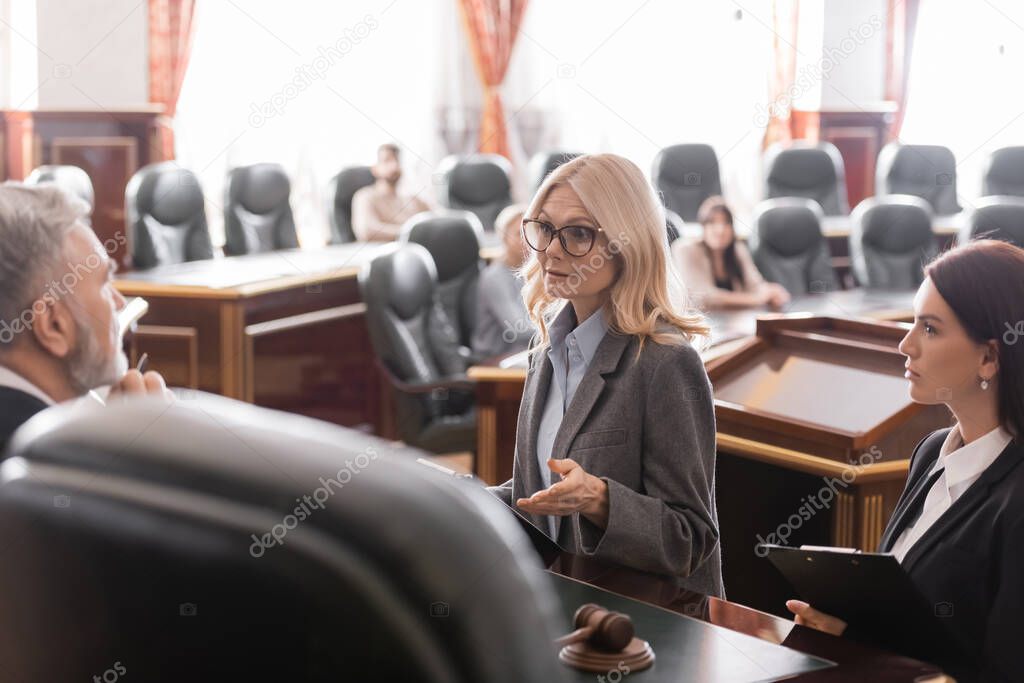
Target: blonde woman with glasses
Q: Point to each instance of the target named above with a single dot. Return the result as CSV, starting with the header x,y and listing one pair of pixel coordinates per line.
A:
x,y
615,447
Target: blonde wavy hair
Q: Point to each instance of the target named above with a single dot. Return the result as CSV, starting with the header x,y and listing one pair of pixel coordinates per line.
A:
x,y
648,298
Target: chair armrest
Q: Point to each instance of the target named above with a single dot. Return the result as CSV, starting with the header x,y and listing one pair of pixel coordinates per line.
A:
x,y
454,383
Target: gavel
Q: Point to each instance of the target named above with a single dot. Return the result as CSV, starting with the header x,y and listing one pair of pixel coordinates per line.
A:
x,y
605,630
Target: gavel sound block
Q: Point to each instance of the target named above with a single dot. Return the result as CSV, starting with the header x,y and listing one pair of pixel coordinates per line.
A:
x,y
603,641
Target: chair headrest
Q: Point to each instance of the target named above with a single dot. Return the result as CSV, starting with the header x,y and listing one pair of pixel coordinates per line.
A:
x,y
894,224
479,179
171,194
1004,173
403,278
262,188
71,179
348,182
999,217
675,164
543,163
452,238
789,226
802,166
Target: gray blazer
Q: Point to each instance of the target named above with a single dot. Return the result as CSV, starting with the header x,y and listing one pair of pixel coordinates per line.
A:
x,y
646,425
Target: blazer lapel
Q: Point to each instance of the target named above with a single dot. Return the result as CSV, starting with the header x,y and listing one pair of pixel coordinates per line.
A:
x,y
974,496
901,516
605,361
535,396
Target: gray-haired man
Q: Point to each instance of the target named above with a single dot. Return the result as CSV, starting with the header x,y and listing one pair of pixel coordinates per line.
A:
x,y
58,308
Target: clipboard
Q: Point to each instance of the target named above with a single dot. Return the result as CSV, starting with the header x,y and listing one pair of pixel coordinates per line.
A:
x,y
873,594
547,549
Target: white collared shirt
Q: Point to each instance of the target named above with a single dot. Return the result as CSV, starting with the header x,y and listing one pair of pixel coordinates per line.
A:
x,y
961,465
9,378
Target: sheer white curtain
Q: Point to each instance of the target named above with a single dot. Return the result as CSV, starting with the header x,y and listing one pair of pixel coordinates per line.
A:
x,y
964,87
317,86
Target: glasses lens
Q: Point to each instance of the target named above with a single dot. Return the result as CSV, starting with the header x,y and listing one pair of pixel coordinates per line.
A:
x,y
578,240
538,234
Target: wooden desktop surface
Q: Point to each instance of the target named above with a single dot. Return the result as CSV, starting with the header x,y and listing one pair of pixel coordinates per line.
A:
x,y
578,578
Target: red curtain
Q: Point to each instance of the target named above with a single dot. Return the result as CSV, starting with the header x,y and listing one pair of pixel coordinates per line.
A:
x,y
785,18
171,27
899,44
492,27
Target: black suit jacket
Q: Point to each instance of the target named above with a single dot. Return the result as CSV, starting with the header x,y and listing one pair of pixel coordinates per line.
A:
x,y
970,563
16,407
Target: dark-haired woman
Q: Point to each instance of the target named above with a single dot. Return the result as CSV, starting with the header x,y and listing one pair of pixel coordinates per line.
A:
x,y
958,527
718,269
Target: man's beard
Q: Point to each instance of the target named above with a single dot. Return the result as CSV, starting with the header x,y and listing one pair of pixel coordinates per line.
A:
x,y
87,367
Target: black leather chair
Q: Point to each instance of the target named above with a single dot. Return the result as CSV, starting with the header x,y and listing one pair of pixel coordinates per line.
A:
x,y
999,218
339,201
257,213
812,171
216,541
453,240
480,183
789,247
418,351
71,179
686,175
891,240
543,163
1004,173
925,171
166,216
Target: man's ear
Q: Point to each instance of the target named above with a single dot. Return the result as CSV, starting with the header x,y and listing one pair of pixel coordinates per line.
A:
x,y
54,328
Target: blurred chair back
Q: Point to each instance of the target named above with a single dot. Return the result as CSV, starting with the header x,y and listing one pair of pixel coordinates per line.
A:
x,y
891,240
257,213
1004,173
543,163
999,218
214,540
71,179
339,202
480,183
790,248
453,240
925,171
686,175
166,216
812,171
418,350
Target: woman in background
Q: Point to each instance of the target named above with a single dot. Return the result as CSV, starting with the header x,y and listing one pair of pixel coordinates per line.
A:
x,y
718,269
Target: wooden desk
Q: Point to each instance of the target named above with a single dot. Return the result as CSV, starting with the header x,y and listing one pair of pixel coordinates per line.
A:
x,y
284,330
579,578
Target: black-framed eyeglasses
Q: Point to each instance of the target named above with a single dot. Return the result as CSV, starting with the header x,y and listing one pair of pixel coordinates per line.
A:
x,y
576,240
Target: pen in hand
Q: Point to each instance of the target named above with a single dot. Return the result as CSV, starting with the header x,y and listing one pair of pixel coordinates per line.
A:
x,y
142,364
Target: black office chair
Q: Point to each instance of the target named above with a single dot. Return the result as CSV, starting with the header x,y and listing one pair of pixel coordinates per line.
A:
x,y
211,540
72,180
418,352
891,240
998,218
480,183
789,247
453,240
686,175
809,170
339,201
257,214
166,216
543,163
1004,173
925,171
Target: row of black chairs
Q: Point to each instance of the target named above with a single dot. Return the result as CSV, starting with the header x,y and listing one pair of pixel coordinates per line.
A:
x,y
891,238
688,174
